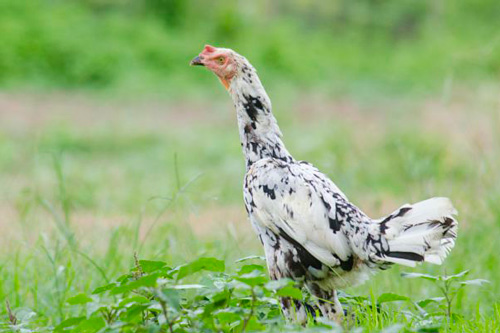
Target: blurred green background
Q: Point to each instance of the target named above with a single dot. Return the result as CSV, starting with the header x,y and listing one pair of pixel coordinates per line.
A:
x,y
145,45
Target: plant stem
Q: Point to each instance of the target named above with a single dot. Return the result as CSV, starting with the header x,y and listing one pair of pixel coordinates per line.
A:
x,y
252,307
165,313
12,316
446,292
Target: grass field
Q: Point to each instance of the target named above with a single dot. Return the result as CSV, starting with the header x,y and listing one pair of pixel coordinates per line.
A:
x,y
87,181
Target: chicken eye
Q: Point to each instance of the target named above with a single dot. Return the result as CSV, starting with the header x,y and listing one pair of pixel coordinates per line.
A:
x,y
221,60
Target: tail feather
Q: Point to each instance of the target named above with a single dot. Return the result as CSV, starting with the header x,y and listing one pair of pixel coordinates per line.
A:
x,y
425,231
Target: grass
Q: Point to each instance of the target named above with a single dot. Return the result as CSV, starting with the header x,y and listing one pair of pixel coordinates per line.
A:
x,y
342,46
86,183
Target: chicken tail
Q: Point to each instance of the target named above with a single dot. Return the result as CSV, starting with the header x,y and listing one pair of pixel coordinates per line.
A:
x,y
425,231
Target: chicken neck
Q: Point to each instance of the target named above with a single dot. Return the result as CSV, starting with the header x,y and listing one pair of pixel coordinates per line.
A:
x,y
259,132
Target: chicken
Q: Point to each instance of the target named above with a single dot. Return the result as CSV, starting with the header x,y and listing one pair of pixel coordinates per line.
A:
x,y
310,231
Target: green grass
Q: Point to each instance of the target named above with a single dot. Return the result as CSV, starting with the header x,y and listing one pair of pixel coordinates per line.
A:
x,y
343,47
84,189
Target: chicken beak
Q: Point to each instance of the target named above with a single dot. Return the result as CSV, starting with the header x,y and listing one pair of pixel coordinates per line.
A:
x,y
196,62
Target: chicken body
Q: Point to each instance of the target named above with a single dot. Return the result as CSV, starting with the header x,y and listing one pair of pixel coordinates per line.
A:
x,y
310,231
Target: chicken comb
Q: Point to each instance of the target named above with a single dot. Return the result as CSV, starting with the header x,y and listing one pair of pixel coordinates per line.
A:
x,y
209,48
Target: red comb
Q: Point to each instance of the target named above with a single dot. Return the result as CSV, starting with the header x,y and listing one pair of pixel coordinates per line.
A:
x,y
209,48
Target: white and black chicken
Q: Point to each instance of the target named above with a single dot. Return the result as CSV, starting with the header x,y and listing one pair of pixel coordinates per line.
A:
x,y
310,231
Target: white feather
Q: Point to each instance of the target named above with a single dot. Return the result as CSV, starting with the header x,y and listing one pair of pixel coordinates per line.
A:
x,y
427,229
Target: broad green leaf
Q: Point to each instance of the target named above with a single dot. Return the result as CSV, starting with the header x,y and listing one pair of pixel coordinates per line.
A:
x,y
423,303
208,309
149,266
70,322
123,278
245,269
420,275
475,282
251,258
220,299
227,316
93,324
137,299
79,299
145,281
189,286
252,279
134,312
99,309
219,283
455,276
277,284
209,264
269,300
290,291
252,325
391,297
171,297
102,289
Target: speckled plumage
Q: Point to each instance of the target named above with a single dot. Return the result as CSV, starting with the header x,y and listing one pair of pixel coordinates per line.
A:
x,y
309,229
